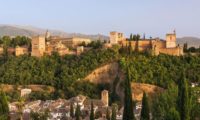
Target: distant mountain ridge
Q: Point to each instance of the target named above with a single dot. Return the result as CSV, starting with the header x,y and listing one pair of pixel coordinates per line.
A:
x,y
191,41
15,30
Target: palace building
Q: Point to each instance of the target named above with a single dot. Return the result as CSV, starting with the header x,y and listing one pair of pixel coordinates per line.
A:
x,y
46,44
21,50
116,37
156,45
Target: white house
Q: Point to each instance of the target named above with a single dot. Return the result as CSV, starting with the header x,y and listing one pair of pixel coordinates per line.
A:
x,y
25,92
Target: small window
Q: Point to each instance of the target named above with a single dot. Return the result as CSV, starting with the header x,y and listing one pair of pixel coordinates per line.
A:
x,y
170,37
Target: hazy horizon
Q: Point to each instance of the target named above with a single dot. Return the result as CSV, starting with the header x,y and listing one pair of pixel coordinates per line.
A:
x,y
154,18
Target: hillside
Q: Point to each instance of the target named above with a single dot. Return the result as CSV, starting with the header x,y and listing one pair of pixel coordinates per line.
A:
x,y
108,73
14,30
191,41
105,74
139,88
34,88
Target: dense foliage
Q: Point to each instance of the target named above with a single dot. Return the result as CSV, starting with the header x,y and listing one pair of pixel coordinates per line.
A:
x,y
191,49
173,114
15,41
63,73
4,110
162,70
166,71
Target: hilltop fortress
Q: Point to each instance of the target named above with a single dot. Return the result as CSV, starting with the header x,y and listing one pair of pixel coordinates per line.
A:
x,y
156,45
46,44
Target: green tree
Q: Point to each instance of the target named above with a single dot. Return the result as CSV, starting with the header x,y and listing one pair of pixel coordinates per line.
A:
x,y
4,110
185,47
137,37
192,50
113,117
107,114
71,110
145,108
114,97
39,116
173,114
131,36
128,102
6,41
20,107
92,112
195,113
183,98
78,112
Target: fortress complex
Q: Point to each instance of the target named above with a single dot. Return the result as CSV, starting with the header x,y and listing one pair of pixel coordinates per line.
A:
x,y
156,45
21,50
46,44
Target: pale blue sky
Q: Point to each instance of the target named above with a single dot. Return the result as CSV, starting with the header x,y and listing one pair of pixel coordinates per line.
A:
x,y
153,17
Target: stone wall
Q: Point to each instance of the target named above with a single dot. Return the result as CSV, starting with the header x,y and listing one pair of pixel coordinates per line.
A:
x,y
158,46
141,45
178,51
21,51
144,45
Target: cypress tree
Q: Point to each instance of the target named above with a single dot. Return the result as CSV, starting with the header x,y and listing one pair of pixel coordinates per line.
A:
x,y
107,114
183,98
71,110
4,110
114,97
128,102
113,112
129,47
131,36
92,112
173,114
185,47
78,112
145,108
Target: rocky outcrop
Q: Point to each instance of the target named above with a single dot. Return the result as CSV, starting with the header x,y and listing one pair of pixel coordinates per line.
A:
x,y
105,74
108,74
34,88
138,89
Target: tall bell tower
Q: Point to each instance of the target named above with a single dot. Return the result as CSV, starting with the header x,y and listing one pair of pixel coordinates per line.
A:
x,y
171,40
47,35
116,37
105,97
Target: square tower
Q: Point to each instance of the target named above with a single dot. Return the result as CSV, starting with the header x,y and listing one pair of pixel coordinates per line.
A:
x,y
171,40
105,97
38,46
116,37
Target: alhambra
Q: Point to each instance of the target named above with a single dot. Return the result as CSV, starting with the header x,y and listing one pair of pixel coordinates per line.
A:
x,y
47,44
